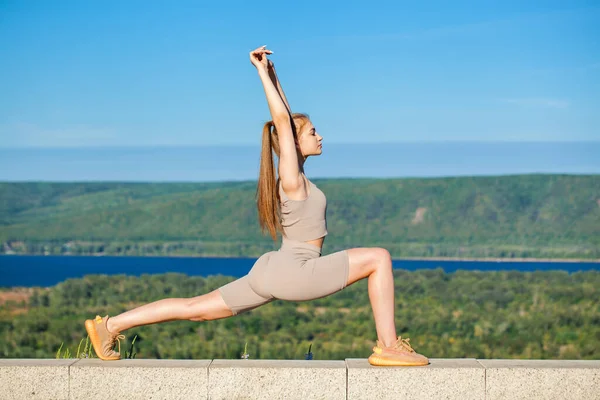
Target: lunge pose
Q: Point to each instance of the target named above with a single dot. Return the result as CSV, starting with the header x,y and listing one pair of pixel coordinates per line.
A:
x,y
291,205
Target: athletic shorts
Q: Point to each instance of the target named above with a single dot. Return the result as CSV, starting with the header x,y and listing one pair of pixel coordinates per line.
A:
x,y
296,272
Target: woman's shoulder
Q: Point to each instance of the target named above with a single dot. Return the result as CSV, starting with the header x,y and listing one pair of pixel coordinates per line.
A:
x,y
308,185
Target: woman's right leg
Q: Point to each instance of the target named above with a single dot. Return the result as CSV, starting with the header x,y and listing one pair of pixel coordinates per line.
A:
x,y
207,307
228,300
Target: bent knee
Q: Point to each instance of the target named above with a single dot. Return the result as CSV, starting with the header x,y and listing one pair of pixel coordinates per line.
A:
x,y
380,254
381,257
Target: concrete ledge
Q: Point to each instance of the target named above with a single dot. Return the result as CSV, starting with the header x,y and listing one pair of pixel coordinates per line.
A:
x,y
34,379
441,379
139,379
288,379
266,379
542,379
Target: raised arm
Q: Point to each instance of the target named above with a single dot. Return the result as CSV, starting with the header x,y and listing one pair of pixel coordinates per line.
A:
x,y
289,167
275,80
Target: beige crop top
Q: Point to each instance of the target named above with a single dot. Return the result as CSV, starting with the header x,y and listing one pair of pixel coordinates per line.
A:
x,y
304,220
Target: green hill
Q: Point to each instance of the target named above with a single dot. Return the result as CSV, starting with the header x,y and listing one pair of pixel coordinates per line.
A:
x,y
544,216
502,314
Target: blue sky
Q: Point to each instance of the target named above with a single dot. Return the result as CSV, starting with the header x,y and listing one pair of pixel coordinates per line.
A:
x,y
133,73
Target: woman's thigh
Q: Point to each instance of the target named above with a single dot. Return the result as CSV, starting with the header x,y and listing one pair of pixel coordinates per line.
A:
x,y
242,295
307,280
363,261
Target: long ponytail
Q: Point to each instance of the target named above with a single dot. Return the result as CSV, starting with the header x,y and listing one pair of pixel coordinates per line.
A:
x,y
267,197
267,193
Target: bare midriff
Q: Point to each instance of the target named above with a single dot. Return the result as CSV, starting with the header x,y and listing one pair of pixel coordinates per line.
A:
x,y
317,242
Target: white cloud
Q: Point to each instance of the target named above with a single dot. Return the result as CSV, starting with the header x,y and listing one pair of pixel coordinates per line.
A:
x,y
592,67
537,102
443,31
28,134
589,67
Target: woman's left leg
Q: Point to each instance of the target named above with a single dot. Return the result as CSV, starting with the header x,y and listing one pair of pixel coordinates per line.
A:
x,y
322,276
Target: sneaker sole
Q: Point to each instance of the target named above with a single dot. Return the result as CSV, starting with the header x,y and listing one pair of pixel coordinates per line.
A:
x,y
95,339
386,362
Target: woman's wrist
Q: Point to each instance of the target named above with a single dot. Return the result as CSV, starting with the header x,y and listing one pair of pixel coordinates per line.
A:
x,y
263,73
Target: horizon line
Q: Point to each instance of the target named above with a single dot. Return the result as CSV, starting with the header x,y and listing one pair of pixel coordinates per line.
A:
x,y
183,145
322,178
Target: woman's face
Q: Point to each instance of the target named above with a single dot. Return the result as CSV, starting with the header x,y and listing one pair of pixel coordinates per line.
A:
x,y
310,141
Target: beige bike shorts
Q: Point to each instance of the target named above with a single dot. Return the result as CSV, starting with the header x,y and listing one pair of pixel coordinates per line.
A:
x,y
296,272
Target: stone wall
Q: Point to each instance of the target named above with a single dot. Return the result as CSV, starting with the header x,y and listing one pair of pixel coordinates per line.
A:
x,y
287,379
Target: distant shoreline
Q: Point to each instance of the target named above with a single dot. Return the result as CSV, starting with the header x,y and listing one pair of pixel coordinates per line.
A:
x,y
548,260
458,259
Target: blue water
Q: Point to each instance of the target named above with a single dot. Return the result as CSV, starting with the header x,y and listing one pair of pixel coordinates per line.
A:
x,y
47,271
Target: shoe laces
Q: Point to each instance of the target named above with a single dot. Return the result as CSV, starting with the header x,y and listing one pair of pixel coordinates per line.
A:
x,y
403,344
117,339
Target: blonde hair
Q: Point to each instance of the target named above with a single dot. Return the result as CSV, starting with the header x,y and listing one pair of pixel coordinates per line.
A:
x,y
267,195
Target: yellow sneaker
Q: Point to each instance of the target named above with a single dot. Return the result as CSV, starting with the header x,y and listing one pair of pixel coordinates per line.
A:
x,y
399,354
102,339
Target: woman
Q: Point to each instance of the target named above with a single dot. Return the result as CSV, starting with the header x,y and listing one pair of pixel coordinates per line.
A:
x,y
293,206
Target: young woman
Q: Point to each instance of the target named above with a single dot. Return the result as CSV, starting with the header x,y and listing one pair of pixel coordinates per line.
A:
x,y
294,207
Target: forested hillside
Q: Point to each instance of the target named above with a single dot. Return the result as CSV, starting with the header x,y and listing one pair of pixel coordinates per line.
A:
x,y
549,216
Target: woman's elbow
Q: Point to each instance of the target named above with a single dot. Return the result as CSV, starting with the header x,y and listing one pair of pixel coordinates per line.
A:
x,y
280,119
